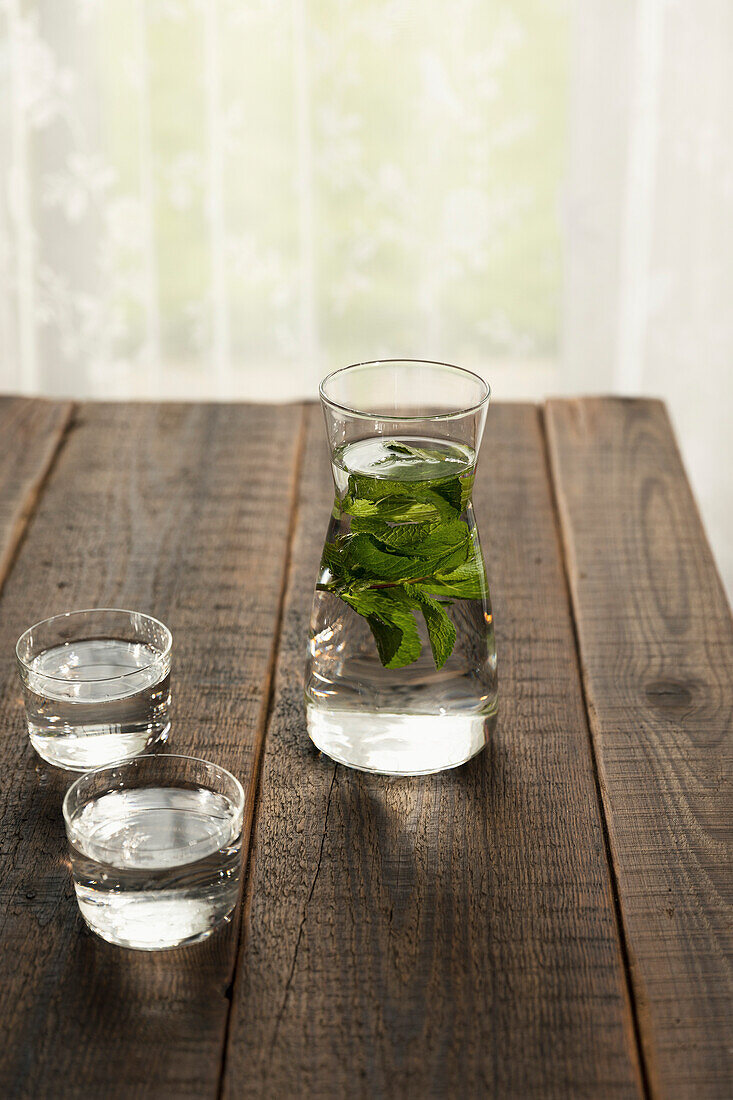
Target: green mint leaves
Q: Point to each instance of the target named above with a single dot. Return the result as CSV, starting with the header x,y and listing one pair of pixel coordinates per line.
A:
x,y
408,552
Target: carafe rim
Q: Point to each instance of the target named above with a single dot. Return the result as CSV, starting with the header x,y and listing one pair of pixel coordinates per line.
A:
x,y
399,418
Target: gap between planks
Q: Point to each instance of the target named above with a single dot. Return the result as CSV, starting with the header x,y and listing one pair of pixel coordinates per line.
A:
x,y
33,496
613,876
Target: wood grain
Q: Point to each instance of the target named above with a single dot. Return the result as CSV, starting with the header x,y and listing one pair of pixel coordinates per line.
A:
x,y
452,935
656,642
183,512
30,435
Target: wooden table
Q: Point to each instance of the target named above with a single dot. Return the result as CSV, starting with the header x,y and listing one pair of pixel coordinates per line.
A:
x,y
551,920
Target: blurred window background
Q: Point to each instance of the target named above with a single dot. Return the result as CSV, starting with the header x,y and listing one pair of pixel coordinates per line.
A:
x,y
228,198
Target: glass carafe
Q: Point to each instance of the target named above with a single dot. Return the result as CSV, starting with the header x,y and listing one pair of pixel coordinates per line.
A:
x,y
401,671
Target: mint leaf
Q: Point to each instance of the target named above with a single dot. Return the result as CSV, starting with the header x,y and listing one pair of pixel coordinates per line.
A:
x,y
397,509
362,487
443,538
397,449
389,613
466,490
467,582
444,546
401,537
364,557
441,631
451,491
403,500
332,559
398,642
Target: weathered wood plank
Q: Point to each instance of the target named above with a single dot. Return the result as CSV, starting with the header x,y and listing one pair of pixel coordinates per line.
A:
x,y
30,434
453,935
656,644
182,511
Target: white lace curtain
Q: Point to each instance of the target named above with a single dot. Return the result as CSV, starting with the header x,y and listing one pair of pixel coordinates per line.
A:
x,y
227,197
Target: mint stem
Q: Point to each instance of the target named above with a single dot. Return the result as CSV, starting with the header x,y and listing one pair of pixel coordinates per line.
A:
x,y
383,584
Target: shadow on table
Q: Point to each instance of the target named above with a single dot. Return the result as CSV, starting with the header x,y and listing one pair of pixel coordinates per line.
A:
x,y
87,995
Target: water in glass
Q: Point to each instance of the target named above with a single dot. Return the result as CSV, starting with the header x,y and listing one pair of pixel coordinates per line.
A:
x,y
89,702
156,867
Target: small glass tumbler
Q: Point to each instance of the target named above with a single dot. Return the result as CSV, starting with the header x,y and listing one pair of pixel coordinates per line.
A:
x,y
155,847
96,686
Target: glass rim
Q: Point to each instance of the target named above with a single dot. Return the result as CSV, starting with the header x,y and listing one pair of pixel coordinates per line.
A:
x,y
127,761
363,414
165,652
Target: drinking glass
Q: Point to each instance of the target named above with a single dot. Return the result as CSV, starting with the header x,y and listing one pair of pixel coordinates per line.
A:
x,y
96,686
401,670
155,846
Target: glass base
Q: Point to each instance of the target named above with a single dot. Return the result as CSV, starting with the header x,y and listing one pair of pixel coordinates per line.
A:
x,y
398,744
155,926
85,751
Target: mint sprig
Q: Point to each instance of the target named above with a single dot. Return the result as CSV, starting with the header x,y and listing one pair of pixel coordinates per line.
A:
x,y
408,552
